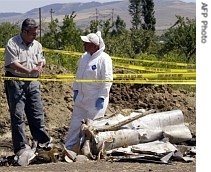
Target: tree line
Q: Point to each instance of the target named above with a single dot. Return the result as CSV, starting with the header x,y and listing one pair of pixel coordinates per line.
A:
x,y
177,43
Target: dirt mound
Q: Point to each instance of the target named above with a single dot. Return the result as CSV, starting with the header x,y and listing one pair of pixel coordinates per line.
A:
x,y
159,97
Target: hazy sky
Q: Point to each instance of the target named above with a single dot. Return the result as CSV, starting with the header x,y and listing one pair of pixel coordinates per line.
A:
x,y
26,5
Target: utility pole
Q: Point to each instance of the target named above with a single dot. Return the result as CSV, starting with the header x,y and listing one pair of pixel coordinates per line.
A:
x,y
40,24
51,12
112,16
96,15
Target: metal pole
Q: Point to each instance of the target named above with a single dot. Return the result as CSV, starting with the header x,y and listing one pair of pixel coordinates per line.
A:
x,y
51,12
40,24
96,15
112,17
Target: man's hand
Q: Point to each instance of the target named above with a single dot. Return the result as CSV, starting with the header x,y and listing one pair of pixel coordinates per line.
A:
x,y
37,69
40,66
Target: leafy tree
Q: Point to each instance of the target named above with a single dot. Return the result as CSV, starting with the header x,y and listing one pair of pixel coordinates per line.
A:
x,y
148,15
119,26
143,24
142,13
51,38
93,26
181,37
135,10
70,35
120,45
7,30
140,40
106,27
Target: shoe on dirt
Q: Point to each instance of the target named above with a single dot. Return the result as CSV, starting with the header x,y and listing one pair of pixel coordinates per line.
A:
x,y
25,156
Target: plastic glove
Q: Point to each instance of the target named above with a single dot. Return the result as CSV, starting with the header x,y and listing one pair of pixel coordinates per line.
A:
x,y
75,94
99,103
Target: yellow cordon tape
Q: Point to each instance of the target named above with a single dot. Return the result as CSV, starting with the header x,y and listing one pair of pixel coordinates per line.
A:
x,y
155,75
132,76
154,61
191,82
114,57
120,58
126,59
152,69
164,72
55,51
129,59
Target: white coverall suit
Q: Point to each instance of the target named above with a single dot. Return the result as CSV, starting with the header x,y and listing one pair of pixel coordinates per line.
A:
x,y
97,66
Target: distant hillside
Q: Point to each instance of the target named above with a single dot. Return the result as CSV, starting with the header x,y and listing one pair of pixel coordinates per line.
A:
x,y
165,11
5,15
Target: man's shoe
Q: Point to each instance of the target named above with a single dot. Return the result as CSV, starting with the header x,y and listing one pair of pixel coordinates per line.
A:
x,y
69,155
46,146
25,156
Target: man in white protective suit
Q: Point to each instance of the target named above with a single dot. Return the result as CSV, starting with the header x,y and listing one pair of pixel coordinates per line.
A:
x,y
91,98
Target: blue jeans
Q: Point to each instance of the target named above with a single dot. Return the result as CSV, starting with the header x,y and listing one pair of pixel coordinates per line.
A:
x,y
24,97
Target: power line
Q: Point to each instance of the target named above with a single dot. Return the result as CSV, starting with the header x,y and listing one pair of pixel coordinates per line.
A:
x,y
97,15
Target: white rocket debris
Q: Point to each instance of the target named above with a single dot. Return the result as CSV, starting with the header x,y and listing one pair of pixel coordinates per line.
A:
x,y
143,135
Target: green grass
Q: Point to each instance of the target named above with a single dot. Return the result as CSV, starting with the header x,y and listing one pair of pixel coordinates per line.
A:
x,y
190,88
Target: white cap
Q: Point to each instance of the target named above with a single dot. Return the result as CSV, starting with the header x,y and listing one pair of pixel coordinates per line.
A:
x,y
92,38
